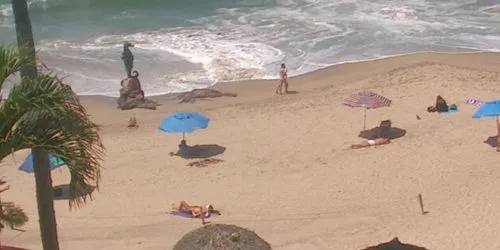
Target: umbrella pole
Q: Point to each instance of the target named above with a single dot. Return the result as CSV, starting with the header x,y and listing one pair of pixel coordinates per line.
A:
x,y
183,136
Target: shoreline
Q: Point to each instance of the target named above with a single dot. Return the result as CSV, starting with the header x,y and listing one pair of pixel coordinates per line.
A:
x,y
241,86
294,152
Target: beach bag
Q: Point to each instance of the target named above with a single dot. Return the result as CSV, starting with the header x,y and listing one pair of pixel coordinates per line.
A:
x,y
453,107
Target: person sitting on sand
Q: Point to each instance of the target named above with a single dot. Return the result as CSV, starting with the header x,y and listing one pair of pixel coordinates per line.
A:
x,y
186,150
196,211
369,143
441,105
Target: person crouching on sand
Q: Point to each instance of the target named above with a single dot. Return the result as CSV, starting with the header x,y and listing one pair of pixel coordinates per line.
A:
x,y
283,82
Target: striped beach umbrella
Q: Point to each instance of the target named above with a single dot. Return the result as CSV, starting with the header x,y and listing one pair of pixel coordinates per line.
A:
x,y
367,100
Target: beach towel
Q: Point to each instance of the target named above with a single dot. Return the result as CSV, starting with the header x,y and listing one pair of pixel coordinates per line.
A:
x,y
204,162
474,102
187,214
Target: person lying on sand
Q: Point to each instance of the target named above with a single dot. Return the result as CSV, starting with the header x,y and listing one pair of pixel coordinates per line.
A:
x,y
369,143
197,211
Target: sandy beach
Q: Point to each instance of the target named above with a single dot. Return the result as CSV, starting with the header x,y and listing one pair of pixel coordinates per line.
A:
x,y
288,172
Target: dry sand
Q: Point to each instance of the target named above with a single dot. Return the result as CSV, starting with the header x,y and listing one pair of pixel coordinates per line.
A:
x,y
288,174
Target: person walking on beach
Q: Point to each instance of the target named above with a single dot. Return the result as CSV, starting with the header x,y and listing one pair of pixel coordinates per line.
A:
x,y
283,82
128,58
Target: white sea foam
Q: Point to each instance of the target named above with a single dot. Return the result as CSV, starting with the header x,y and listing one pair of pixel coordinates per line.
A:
x,y
251,40
6,8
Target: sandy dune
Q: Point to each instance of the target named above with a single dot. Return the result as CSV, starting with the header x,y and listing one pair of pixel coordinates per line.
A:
x,y
288,173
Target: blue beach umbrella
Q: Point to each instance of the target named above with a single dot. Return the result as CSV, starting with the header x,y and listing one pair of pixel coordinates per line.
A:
x,y
184,122
27,165
488,109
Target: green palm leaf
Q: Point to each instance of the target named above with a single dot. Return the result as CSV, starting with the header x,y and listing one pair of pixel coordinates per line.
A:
x,y
12,216
12,60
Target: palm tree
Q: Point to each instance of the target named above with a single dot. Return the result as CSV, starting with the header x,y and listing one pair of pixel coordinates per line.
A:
x,y
43,114
221,236
43,179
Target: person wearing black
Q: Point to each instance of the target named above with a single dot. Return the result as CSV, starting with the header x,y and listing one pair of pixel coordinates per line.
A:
x,y
441,105
128,58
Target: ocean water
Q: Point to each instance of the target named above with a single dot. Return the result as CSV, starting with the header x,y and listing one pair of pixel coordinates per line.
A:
x,y
186,44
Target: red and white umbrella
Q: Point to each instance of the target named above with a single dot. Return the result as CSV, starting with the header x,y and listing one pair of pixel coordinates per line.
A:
x,y
367,100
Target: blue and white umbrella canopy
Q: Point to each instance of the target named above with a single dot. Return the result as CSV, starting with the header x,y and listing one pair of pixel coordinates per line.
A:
x,y
27,165
184,122
488,109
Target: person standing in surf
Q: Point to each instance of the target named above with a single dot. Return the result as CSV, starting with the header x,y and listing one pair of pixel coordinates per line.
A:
x,y
128,58
283,80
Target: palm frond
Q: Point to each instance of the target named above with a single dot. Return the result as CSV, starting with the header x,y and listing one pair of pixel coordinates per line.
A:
x,y
11,215
43,112
12,60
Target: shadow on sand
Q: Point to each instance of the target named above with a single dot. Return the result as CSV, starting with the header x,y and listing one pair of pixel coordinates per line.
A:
x,y
492,141
395,244
202,151
391,133
61,192
291,92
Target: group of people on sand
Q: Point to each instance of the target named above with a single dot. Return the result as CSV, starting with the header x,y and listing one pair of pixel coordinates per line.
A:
x,y
132,96
440,107
195,211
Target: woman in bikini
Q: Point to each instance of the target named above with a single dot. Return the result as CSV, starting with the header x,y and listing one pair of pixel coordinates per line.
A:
x,y
283,81
197,211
